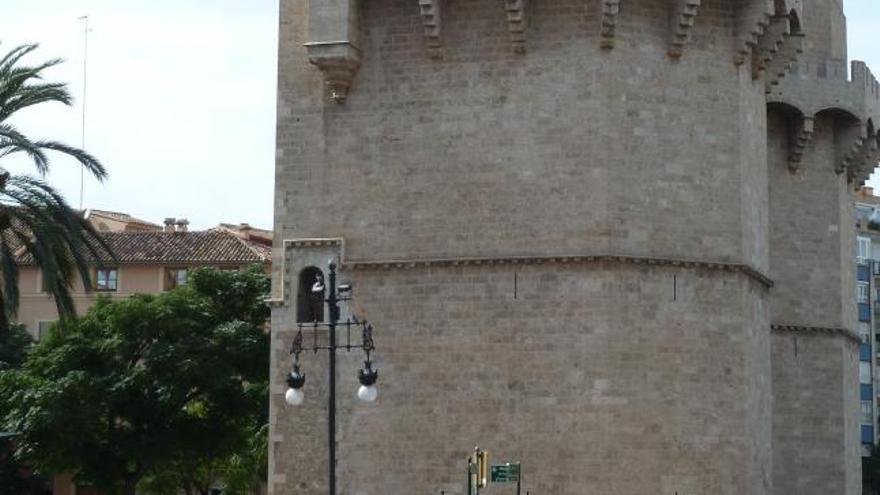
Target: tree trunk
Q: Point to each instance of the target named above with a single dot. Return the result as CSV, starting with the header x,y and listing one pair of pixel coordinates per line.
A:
x,y
130,486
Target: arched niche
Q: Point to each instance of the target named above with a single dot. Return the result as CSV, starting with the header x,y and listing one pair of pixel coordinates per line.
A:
x,y
310,300
849,134
794,22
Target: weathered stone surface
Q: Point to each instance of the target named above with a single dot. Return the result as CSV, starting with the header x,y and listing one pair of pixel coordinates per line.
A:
x,y
574,256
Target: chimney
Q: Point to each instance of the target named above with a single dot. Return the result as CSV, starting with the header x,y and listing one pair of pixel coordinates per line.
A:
x,y
182,224
169,224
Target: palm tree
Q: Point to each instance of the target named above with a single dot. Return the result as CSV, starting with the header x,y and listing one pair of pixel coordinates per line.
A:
x,y
36,222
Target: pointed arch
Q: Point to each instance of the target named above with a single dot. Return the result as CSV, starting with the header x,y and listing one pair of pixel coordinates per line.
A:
x,y
794,22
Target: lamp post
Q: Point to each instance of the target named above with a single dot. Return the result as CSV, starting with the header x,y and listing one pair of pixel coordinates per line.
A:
x,y
367,376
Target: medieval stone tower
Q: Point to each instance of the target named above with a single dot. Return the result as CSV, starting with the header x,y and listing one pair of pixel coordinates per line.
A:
x,y
609,239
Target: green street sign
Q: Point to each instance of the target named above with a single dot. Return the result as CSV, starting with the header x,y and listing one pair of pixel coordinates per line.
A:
x,y
505,473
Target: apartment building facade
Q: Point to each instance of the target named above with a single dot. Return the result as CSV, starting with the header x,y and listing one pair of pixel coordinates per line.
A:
x,y
150,258
867,257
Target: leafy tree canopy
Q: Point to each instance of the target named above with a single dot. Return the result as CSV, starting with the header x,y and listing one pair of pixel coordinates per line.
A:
x,y
14,345
136,386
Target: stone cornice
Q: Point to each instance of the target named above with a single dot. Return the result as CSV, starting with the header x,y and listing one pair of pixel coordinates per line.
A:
x,y
344,262
538,260
808,330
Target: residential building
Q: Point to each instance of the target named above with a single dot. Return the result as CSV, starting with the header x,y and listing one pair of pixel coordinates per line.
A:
x,y
867,258
149,259
114,221
612,240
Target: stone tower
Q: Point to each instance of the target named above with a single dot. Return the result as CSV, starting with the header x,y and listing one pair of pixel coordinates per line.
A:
x,y
609,239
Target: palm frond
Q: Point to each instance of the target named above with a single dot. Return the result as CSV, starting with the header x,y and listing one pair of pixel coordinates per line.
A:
x,y
12,141
14,55
36,220
61,242
88,161
14,98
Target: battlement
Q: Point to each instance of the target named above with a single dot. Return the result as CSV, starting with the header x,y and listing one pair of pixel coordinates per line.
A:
x,y
767,32
820,85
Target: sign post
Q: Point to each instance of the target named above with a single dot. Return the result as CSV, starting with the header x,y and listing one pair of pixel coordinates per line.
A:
x,y
478,471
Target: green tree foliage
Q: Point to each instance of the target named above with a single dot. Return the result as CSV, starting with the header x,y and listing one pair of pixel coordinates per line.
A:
x,y
137,387
14,346
33,216
16,478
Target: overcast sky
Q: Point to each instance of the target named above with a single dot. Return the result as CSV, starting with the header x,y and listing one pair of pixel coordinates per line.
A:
x,y
181,99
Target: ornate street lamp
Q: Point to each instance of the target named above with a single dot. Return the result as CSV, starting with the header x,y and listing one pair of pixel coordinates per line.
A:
x,y
367,376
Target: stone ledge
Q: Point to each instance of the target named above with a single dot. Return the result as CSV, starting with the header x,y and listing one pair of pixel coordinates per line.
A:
x,y
538,260
802,329
747,270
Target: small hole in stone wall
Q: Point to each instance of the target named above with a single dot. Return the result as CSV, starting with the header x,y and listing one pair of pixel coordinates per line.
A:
x,y
514,285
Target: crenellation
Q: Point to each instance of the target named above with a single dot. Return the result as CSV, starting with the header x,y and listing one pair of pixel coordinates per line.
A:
x,y
610,11
683,17
516,23
430,11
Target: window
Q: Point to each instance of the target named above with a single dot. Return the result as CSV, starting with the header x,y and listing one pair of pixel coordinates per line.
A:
x,y
310,296
864,312
867,412
43,327
865,373
175,277
864,331
867,434
865,391
865,352
863,252
863,292
106,279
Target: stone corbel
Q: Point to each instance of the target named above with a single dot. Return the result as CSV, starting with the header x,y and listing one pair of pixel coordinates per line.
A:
x,y
769,44
682,19
785,60
333,43
753,17
803,134
516,23
870,157
431,20
851,148
610,9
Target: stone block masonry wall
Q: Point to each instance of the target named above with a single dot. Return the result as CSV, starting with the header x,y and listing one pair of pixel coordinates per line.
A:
x,y
587,371
580,135
452,157
815,427
815,359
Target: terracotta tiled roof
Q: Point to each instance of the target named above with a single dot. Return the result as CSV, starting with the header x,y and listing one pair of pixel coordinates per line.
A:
x,y
196,247
122,217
